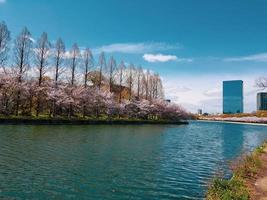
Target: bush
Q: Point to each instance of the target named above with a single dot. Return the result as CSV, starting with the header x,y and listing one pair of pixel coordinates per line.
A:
x,y
235,188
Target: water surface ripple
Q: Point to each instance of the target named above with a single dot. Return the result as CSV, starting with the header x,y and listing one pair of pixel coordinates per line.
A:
x,y
119,162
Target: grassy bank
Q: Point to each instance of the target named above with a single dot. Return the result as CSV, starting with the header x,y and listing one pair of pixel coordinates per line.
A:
x,y
237,188
81,121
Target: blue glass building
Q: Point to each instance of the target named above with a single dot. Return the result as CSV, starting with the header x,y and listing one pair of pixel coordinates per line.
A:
x,y
262,101
233,97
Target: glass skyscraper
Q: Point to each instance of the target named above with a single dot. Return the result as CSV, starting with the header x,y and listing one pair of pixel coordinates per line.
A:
x,y
262,101
232,97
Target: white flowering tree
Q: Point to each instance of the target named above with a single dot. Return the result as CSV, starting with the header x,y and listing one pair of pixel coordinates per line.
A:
x,y
67,84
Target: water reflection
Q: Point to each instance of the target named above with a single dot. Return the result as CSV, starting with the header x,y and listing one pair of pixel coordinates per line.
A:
x,y
118,162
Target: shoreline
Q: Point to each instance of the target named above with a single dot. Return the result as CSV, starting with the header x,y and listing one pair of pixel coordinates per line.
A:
x,y
233,122
249,179
51,121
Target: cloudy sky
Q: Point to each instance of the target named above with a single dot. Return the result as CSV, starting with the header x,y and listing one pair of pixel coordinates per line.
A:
x,y
194,45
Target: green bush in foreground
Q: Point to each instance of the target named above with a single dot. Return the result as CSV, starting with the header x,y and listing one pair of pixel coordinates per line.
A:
x,y
236,188
222,189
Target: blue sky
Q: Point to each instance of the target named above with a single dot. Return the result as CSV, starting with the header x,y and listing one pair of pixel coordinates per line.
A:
x,y
193,44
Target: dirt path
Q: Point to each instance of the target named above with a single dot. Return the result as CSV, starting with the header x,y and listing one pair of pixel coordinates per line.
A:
x,y
258,186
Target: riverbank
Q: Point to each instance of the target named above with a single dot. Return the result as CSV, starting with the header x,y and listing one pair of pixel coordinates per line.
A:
x,y
80,121
252,120
233,122
249,180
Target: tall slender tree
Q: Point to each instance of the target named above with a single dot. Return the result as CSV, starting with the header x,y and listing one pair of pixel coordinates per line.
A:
x,y
139,79
147,77
4,41
59,52
112,67
102,67
59,68
88,65
121,71
41,60
130,80
22,53
74,58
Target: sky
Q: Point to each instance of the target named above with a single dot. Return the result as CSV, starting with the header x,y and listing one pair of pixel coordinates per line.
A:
x,y
193,45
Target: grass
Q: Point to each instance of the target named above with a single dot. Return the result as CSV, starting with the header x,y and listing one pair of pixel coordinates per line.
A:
x,y
236,187
222,189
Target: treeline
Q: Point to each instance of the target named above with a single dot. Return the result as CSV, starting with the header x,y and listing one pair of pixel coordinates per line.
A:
x,y
40,78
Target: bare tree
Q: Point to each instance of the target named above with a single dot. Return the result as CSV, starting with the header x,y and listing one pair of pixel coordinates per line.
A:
x,y
150,86
74,56
160,89
130,80
146,84
41,60
4,41
22,52
102,67
121,71
139,77
88,64
261,83
59,59
111,72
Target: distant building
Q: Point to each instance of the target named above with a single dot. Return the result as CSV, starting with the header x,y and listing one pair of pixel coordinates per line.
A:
x,y
199,111
262,101
233,97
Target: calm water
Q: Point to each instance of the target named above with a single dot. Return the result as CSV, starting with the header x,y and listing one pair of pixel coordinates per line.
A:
x,y
118,162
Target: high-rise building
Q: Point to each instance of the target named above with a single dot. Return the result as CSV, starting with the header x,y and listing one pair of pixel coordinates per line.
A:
x,y
199,111
262,101
233,96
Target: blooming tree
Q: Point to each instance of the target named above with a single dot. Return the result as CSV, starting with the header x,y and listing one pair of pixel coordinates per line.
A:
x,y
68,84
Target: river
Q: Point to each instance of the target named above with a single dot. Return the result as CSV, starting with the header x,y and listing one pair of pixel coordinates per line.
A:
x,y
119,161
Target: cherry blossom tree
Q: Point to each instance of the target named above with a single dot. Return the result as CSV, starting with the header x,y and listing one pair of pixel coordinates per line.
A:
x,y
107,92
22,53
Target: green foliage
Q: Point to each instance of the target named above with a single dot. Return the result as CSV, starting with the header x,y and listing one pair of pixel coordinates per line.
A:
x,y
235,188
103,119
222,189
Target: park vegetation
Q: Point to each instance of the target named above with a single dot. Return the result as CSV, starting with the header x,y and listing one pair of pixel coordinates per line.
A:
x,y
38,78
244,170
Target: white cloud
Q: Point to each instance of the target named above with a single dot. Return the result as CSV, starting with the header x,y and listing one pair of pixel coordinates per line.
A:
x,y
164,58
184,60
262,57
135,48
214,92
2,1
159,58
